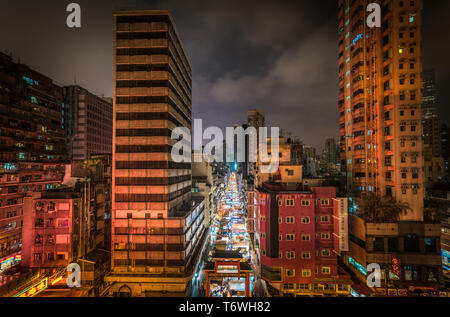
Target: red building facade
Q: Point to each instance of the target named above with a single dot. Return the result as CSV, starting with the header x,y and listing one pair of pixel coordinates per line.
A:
x,y
298,240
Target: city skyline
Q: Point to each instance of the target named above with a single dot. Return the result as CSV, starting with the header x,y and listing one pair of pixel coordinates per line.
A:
x,y
105,190
261,68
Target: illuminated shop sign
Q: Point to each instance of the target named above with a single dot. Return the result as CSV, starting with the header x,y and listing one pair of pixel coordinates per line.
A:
x,y
357,38
358,266
446,259
34,290
8,167
10,261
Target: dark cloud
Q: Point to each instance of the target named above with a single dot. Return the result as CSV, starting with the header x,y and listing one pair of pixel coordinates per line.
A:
x,y
278,56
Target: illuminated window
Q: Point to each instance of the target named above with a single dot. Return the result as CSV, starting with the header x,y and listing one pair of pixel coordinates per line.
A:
x,y
306,273
306,255
306,220
290,237
290,254
290,273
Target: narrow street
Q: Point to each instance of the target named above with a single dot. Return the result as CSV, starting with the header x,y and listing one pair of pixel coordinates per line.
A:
x,y
230,241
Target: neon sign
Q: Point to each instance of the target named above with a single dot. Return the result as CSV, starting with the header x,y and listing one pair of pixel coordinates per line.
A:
x,y
358,266
357,38
34,290
10,261
56,280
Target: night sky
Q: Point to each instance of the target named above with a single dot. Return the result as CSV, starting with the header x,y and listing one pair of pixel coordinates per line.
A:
x,y
277,56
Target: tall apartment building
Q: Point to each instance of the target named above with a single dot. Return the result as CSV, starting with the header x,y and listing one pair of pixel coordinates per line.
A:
x,y
299,236
434,168
445,141
65,224
203,184
157,229
331,151
256,118
87,120
32,147
429,94
381,137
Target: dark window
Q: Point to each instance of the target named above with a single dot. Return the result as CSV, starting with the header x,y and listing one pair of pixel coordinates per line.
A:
x,y
378,244
392,244
430,245
412,243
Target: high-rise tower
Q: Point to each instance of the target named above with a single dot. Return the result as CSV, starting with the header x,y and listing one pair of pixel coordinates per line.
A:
x,y
156,229
380,108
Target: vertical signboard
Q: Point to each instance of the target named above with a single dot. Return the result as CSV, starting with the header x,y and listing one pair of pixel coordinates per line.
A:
x,y
341,224
395,262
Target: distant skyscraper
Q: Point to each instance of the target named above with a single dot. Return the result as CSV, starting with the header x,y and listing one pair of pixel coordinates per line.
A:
x,y
156,229
434,169
429,94
331,155
445,137
256,119
88,123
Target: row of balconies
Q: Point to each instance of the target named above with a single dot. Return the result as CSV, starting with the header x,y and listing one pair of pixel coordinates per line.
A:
x,y
51,230
143,75
153,59
143,91
182,55
143,43
154,255
149,247
39,247
143,27
148,231
142,59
